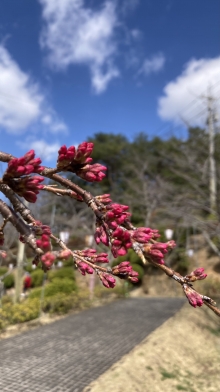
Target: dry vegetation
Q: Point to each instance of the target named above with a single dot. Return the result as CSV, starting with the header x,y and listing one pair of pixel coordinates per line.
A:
x,y
181,355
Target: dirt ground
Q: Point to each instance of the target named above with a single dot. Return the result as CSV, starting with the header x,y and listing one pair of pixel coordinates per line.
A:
x,y
181,355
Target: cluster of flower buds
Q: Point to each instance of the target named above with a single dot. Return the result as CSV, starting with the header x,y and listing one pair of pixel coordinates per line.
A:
x,y
91,173
40,229
84,150
193,297
124,270
158,250
84,268
64,254
107,280
92,256
27,187
116,215
121,242
104,199
197,274
101,234
44,243
65,155
144,234
25,165
47,260
78,161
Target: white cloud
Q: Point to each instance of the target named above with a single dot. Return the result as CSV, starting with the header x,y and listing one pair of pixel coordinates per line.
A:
x,y
75,34
153,64
46,151
51,121
180,95
21,101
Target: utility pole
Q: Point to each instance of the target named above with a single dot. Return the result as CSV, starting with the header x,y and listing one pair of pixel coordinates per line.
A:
x,y
20,268
212,168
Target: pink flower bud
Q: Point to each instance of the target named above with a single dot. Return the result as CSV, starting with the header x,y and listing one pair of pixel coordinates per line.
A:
x,y
62,150
105,199
84,150
101,235
64,254
194,298
122,268
133,277
107,280
197,274
48,260
29,156
84,268
198,271
44,243
30,196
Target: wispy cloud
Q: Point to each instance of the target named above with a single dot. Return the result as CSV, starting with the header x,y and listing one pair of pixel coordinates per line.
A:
x,y
76,34
21,101
196,78
129,5
152,64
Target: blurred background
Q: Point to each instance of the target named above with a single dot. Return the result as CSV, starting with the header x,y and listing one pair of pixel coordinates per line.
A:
x,y
141,79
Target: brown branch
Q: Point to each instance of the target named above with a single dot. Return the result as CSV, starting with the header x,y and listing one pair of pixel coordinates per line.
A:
x,y
61,192
20,226
17,203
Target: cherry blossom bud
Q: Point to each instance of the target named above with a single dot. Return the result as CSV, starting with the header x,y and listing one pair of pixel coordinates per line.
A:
x,y
64,254
105,199
25,165
142,234
101,258
133,277
107,280
84,150
88,252
198,271
30,196
116,215
39,228
29,156
193,297
65,155
101,235
197,274
44,243
121,242
48,260
123,268
84,268
92,173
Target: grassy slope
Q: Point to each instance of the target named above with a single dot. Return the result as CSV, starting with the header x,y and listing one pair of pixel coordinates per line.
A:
x,y
182,355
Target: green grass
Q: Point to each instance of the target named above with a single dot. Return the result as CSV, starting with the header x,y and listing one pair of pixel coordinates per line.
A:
x,y
181,388
166,374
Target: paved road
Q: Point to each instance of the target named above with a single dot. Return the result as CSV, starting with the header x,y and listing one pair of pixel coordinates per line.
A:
x,y
68,354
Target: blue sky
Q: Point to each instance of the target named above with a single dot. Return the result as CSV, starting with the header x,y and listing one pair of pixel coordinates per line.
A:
x,y
72,68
